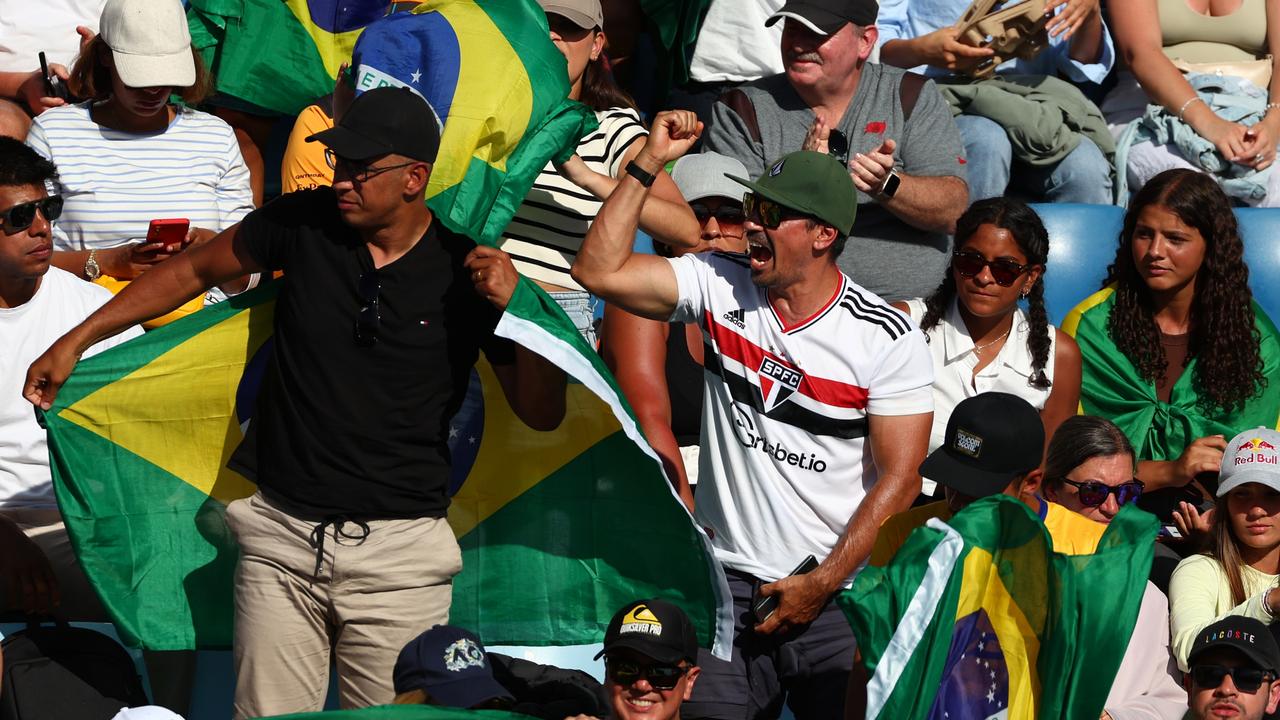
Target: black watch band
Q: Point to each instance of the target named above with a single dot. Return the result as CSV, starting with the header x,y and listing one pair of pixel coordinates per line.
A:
x,y
646,179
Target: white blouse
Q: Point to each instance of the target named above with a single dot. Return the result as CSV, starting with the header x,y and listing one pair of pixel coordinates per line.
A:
x,y
954,359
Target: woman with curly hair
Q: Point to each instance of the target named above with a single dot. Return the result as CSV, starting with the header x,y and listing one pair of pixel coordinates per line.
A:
x,y
980,339
1175,350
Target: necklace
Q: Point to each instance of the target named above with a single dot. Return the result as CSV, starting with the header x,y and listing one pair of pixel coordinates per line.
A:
x,y
984,346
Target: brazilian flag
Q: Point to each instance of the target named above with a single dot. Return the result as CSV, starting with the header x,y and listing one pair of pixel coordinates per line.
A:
x,y
980,618
557,529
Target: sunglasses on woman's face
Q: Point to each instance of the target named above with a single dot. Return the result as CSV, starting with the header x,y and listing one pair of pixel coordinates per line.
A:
x,y
1246,679
1003,270
1093,493
20,217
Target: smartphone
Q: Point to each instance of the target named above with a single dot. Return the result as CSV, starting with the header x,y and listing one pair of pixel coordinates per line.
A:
x,y
763,607
53,86
171,231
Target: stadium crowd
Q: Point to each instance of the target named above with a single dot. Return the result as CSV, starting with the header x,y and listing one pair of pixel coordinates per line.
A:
x,y
812,267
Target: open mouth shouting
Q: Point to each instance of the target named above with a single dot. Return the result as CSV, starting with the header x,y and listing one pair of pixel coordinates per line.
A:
x,y
760,250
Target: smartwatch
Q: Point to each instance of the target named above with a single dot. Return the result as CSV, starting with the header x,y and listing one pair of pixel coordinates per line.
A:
x,y
892,182
646,179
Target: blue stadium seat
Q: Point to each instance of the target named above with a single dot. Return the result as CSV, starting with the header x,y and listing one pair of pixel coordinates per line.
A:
x,y
1082,243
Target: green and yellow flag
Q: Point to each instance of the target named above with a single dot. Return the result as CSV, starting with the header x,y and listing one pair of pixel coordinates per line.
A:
x,y
558,529
1111,387
980,618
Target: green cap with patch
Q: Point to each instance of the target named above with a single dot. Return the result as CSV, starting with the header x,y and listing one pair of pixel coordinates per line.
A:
x,y
812,183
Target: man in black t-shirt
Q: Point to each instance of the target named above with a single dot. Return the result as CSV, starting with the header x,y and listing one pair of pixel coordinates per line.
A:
x,y
381,317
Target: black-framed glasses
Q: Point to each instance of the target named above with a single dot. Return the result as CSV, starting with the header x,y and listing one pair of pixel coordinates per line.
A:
x,y
360,172
766,212
724,215
838,147
1246,679
1003,270
369,317
20,217
1093,493
661,677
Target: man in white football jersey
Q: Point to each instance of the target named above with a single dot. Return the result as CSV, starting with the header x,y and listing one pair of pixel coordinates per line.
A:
x,y
817,415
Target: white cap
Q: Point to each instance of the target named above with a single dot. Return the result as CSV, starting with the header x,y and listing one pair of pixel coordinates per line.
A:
x,y
1253,456
146,712
149,42
702,176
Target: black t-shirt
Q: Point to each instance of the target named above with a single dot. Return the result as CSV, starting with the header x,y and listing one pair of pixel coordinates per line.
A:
x,y
343,428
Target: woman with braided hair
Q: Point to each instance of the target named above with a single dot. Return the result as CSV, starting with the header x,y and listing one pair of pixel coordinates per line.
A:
x,y
980,339
1175,350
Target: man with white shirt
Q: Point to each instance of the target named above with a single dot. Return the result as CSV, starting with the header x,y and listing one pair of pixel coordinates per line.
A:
x,y
38,304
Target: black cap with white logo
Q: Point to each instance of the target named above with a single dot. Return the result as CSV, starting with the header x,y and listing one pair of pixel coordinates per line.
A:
x,y
382,121
826,17
656,629
991,439
1243,634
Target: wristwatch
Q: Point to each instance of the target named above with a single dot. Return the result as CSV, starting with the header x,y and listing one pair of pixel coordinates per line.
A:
x,y
890,186
92,270
646,179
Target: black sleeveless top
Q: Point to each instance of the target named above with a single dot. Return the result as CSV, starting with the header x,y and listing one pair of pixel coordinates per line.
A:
x,y
684,387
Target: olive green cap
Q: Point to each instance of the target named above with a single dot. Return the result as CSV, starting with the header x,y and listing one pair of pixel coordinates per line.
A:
x,y
812,183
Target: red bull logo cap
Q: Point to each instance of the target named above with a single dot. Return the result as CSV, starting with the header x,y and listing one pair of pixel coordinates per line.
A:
x,y
1251,457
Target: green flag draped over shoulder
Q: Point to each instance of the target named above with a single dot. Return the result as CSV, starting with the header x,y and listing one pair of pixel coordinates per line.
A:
x,y
1111,387
980,618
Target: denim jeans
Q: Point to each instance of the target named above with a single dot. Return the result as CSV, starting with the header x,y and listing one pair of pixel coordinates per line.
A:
x,y
580,307
1083,176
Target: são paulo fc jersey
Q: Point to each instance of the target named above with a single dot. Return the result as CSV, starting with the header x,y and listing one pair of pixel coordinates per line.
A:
x,y
784,461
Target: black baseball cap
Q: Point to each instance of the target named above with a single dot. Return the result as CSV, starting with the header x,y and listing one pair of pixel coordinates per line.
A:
x,y
1246,635
385,120
811,183
450,665
826,17
991,439
656,629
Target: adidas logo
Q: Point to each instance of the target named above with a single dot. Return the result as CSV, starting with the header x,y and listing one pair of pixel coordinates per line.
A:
x,y
737,317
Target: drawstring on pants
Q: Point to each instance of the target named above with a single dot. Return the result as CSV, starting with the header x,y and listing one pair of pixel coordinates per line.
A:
x,y
337,522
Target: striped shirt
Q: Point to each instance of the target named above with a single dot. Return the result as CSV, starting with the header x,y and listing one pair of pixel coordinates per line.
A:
x,y
115,183
785,462
551,223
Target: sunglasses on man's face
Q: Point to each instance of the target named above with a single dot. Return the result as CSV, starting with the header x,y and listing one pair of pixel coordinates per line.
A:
x,y
627,672
1246,679
20,217
1093,493
358,170
724,215
1003,270
765,212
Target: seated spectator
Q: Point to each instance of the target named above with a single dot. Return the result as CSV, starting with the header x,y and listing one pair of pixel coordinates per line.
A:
x,y
447,666
1174,349
551,223
1088,468
993,446
899,142
659,365
38,303
1219,118
1234,668
650,655
980,339
1238,574
128,156
923,35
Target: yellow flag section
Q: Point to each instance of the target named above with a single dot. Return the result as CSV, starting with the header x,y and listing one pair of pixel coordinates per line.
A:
x,y
547,521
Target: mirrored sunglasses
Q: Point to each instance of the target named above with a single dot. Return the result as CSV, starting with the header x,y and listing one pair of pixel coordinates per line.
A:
x,y
1093,493
661,677
20,217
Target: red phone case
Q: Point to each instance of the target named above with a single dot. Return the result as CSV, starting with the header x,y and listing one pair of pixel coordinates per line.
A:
x,y
170,231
